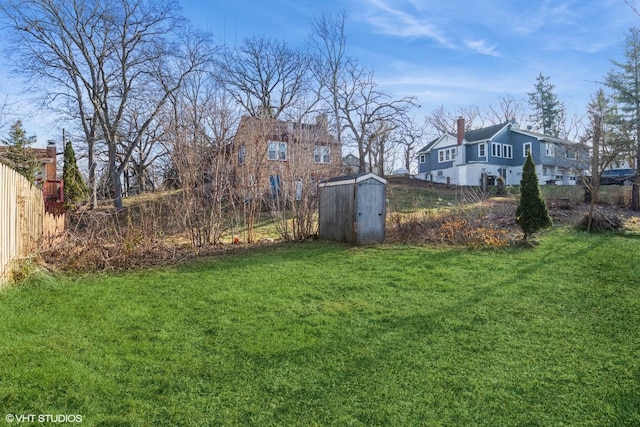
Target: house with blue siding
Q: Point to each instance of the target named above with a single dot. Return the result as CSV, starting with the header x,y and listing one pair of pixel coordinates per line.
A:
x,y
500,151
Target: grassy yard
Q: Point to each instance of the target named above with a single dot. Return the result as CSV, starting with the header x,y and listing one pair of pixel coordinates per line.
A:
x,y
323,334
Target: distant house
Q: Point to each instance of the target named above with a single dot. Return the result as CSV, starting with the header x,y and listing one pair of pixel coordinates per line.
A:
x,y
499,151
350,164
47,177
48,170
271,154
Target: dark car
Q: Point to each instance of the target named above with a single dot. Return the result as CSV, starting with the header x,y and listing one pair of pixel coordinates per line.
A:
x,y
618,177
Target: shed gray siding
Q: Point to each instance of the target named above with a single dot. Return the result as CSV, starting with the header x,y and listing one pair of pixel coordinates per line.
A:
x,y
337,204
352,209
371,212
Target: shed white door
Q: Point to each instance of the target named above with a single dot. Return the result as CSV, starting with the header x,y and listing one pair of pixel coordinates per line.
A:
x,y
371,212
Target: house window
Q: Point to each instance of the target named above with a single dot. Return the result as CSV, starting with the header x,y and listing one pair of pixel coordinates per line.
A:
x,y
423,158
277,150
446,155
526,149
321,155
274,180
482,150
242,155
299,189
440,173
549,149
507,151
570,154
496,150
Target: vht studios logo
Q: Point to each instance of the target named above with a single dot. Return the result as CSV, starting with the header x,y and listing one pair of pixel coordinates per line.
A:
x,y
43,418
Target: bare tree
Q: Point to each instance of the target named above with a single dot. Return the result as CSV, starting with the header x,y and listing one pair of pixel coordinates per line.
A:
x,y
508,108
608,135
407,136
362,114
198,136
265,76
328,40
313,156
444,121
102,60
147,153
369,114
5,109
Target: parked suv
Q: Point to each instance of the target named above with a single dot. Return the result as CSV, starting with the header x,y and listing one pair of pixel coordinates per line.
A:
x,y
618,177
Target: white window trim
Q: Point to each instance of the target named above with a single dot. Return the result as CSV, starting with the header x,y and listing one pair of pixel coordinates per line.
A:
x,y
322,155
482,147
549,149
279,153
496,149
423,158
526,147
501,151
446,155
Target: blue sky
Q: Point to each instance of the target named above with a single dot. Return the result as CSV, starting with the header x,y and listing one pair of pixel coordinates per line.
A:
x,y
444,52
453,52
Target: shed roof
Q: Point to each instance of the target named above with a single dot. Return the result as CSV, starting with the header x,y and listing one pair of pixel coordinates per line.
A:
x,y
352,179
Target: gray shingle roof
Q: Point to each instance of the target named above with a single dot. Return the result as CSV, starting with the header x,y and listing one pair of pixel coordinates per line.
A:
x,y
483,133
429,145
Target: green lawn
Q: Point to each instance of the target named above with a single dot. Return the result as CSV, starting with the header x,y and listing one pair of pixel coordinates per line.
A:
x,y
323,334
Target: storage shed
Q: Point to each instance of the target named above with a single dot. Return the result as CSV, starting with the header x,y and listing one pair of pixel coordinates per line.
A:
x,y
353,209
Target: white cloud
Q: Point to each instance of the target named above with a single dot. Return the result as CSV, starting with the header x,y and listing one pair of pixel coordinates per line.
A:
x,y
395,22
480,46
415,21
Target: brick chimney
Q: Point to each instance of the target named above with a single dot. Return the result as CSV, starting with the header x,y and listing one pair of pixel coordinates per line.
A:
x,y
322,122
460,129
51,171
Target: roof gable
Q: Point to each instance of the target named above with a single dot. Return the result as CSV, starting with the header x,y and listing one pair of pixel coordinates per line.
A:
x,y
445,140
427,147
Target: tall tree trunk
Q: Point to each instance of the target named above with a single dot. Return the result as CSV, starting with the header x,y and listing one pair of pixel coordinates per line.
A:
x,y
93,184
635,188
362,167
114,174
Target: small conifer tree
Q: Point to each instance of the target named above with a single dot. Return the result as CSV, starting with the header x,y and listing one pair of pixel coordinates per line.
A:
x,y
75,189
531,214
19,155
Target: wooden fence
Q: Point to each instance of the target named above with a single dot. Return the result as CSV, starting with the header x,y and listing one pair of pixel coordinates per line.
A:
x,y
24,223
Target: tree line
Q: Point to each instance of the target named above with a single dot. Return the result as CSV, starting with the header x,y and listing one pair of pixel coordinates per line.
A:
x,y
144,89
136,79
